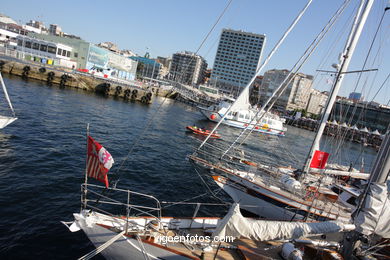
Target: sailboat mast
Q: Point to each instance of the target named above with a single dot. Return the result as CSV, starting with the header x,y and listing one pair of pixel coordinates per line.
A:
x,y
84,198
353,38
246,89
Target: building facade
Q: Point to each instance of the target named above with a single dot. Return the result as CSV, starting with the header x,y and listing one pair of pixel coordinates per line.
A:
x,y
317,102
355,96
80,47
94,58
370,115
296,95
187,68
44,52
237,59
147,68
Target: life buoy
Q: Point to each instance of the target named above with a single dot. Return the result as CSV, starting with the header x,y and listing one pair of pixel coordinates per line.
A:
x,y
213,116
265,127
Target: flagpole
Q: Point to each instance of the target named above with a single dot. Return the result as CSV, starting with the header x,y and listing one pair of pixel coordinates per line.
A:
x,y
86,172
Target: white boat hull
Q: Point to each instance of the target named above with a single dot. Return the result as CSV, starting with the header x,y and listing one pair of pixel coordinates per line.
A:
x,y
261,128
4,121
267,203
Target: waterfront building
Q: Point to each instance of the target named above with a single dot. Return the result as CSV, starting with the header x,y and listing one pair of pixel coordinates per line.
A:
x,y
54,29
237,59
94,58
187,68
127,53
147,68
44,52
6,19
79,46
36,24
362,114
296,95
355,96
109,46
316,103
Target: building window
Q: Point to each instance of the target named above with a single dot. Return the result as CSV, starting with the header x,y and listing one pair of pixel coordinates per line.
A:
x,y
27,44
51,49
43,47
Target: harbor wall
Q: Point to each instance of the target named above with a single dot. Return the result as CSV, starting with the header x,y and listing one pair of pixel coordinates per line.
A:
x,y
347,133
65,77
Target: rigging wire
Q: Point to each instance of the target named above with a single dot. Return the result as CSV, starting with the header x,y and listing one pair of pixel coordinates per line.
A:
x,y
204,40
291,75
158,109
259,69
358,80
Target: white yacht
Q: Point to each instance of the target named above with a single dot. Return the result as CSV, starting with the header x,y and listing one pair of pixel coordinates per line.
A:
x,y
243,115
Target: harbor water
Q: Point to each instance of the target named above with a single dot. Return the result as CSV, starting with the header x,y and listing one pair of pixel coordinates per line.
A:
x,y
42,157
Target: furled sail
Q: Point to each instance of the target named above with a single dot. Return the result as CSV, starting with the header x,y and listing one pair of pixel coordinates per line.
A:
x,y
374,217
234,224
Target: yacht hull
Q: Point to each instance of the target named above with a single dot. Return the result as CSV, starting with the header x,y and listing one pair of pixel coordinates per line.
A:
x,y
4,121
262,128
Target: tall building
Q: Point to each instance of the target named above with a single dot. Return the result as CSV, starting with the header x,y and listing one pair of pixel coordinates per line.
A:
x,y
54,29
187,68
237,59
316,103
296,95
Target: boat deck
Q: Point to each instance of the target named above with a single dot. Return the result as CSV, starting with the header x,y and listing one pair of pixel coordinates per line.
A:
x,y
241,248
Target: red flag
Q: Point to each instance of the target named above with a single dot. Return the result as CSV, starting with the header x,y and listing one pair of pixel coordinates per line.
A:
x,y
99,161
319,160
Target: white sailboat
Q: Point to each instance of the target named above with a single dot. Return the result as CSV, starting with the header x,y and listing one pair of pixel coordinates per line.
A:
x,y
243,115
6,120
139,231
281,193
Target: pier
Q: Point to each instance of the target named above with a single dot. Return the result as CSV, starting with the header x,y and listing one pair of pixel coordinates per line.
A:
x,y
64,77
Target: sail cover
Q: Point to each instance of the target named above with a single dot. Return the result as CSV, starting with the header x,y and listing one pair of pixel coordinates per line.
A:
x,y
374,216
234,224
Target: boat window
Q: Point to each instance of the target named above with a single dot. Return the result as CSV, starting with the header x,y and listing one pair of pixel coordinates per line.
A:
x,y
230,113
68,54
59,51
27,44
246,116
35,46
352,201
43,47
63,53
20,42
240,115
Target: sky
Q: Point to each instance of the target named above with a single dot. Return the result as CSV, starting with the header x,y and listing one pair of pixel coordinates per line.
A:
x,y
165,27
